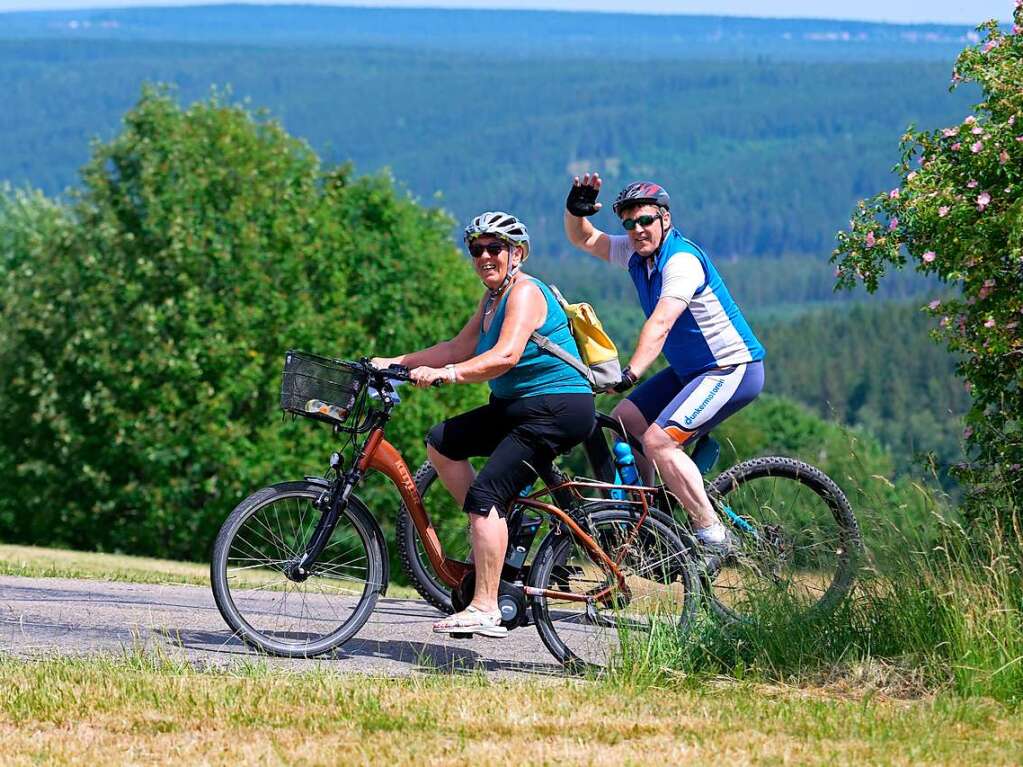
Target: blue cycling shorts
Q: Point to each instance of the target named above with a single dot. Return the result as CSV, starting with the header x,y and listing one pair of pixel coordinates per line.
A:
x,y
689,408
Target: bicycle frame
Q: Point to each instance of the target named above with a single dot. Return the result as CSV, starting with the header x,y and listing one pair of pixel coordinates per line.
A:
x,y
378,454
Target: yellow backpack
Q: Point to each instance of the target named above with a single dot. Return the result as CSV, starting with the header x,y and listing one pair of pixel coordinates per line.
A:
x,y
599,354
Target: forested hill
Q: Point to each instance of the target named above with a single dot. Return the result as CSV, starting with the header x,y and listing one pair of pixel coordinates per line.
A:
x,y
762,157
506,33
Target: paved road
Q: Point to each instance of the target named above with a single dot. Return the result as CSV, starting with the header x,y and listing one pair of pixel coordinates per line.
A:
x,y
52,616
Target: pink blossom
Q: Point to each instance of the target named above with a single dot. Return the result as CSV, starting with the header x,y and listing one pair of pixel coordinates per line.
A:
x,y
911,176
870,239
1017,29
957,146
977,131
950,132
970,120
894,194
967,432
976,147
1012,119
971,184
943,211
929,256
986,289
1019,138
989,324
1003,157
982,200
934,304
990,44
893,224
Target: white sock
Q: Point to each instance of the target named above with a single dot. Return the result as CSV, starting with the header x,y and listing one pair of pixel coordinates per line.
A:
x,y
712,534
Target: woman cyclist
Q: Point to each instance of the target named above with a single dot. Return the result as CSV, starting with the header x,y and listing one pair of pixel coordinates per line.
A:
x,y
539,405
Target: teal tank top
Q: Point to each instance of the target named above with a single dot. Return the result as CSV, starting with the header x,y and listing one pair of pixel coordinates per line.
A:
x,y
537,372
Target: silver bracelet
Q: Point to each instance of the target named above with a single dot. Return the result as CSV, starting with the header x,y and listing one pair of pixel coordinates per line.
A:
x,y
452,375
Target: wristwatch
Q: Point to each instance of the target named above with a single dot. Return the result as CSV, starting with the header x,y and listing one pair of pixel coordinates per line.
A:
x,y
452,375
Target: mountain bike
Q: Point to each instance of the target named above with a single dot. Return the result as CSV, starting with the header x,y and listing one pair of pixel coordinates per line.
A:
x,y
797,538
297,567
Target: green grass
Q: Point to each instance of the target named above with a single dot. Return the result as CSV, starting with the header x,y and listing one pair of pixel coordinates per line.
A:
x,y
36,562
942,612
141,709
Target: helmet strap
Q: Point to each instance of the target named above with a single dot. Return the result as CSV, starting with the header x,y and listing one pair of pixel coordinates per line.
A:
x,y
512,271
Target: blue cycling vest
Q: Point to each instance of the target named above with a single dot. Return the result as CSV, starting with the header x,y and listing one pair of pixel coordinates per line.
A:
x,y
711,333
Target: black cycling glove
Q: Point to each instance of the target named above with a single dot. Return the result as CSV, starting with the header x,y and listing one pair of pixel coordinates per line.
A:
x,y
580,200
628,381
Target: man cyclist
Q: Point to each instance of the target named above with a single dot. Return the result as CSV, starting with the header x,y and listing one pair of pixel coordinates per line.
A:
x,y
715,361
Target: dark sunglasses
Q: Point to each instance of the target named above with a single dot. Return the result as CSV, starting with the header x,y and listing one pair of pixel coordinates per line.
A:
x,y
477,249
645,220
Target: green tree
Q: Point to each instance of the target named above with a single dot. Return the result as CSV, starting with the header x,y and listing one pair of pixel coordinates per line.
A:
x,y
958,215
143,326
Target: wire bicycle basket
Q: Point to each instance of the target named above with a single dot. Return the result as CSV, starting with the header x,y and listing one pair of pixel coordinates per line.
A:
x,y
323,389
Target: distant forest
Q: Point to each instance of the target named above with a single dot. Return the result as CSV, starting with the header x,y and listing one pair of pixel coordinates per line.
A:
x,y
766,133
763,157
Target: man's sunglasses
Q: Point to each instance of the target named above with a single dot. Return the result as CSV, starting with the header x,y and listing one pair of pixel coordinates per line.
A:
x,y
644,221
477,249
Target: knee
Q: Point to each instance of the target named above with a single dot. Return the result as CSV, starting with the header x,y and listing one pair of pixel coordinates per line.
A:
x,y
481,498
656,441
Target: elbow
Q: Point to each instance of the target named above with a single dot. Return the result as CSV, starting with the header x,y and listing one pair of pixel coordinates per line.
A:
x,y
505,361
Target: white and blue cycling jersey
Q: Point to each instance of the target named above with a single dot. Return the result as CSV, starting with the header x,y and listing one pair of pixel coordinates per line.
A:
x,y
712,333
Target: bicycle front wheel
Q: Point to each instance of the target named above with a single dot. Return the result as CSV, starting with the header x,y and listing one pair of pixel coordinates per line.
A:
x,y
798,544
598,632
267,606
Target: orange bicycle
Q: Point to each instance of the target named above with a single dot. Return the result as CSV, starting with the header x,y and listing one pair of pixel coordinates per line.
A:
x,y
297,567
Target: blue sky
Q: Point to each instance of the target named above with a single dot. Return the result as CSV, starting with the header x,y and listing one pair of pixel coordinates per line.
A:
x,y
902,11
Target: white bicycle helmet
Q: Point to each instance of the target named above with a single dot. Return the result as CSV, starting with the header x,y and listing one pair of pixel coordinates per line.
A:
x,y
502,225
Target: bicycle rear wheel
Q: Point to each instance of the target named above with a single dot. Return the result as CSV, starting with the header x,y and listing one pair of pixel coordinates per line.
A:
x,y
597,634
275,613
797,538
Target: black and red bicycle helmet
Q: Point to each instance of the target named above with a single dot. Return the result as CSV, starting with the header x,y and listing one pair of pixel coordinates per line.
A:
x,y
641,193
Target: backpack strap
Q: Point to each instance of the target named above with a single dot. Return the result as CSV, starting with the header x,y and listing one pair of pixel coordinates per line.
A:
x,y
559,351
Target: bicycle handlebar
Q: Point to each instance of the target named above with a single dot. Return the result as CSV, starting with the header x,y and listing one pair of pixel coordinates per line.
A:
x,y
392,372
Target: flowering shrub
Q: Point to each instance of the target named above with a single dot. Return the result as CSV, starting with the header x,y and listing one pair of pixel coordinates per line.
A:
x,y
958,214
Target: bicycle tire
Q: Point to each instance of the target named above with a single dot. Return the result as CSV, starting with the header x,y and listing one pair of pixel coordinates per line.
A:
x,y
803,518
584,639
247,594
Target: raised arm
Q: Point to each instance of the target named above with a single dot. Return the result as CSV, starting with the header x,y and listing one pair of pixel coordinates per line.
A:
x,y
582,203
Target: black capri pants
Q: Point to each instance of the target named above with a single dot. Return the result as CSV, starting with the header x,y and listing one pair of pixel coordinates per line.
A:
x,y
520,436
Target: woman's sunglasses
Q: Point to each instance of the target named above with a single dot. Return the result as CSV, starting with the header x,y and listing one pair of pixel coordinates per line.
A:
x,y
644,221
477,249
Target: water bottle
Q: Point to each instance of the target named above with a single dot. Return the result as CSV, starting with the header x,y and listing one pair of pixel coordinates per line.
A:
x,y
627,473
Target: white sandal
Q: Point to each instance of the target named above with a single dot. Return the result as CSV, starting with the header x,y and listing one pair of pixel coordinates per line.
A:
x,y
472,620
